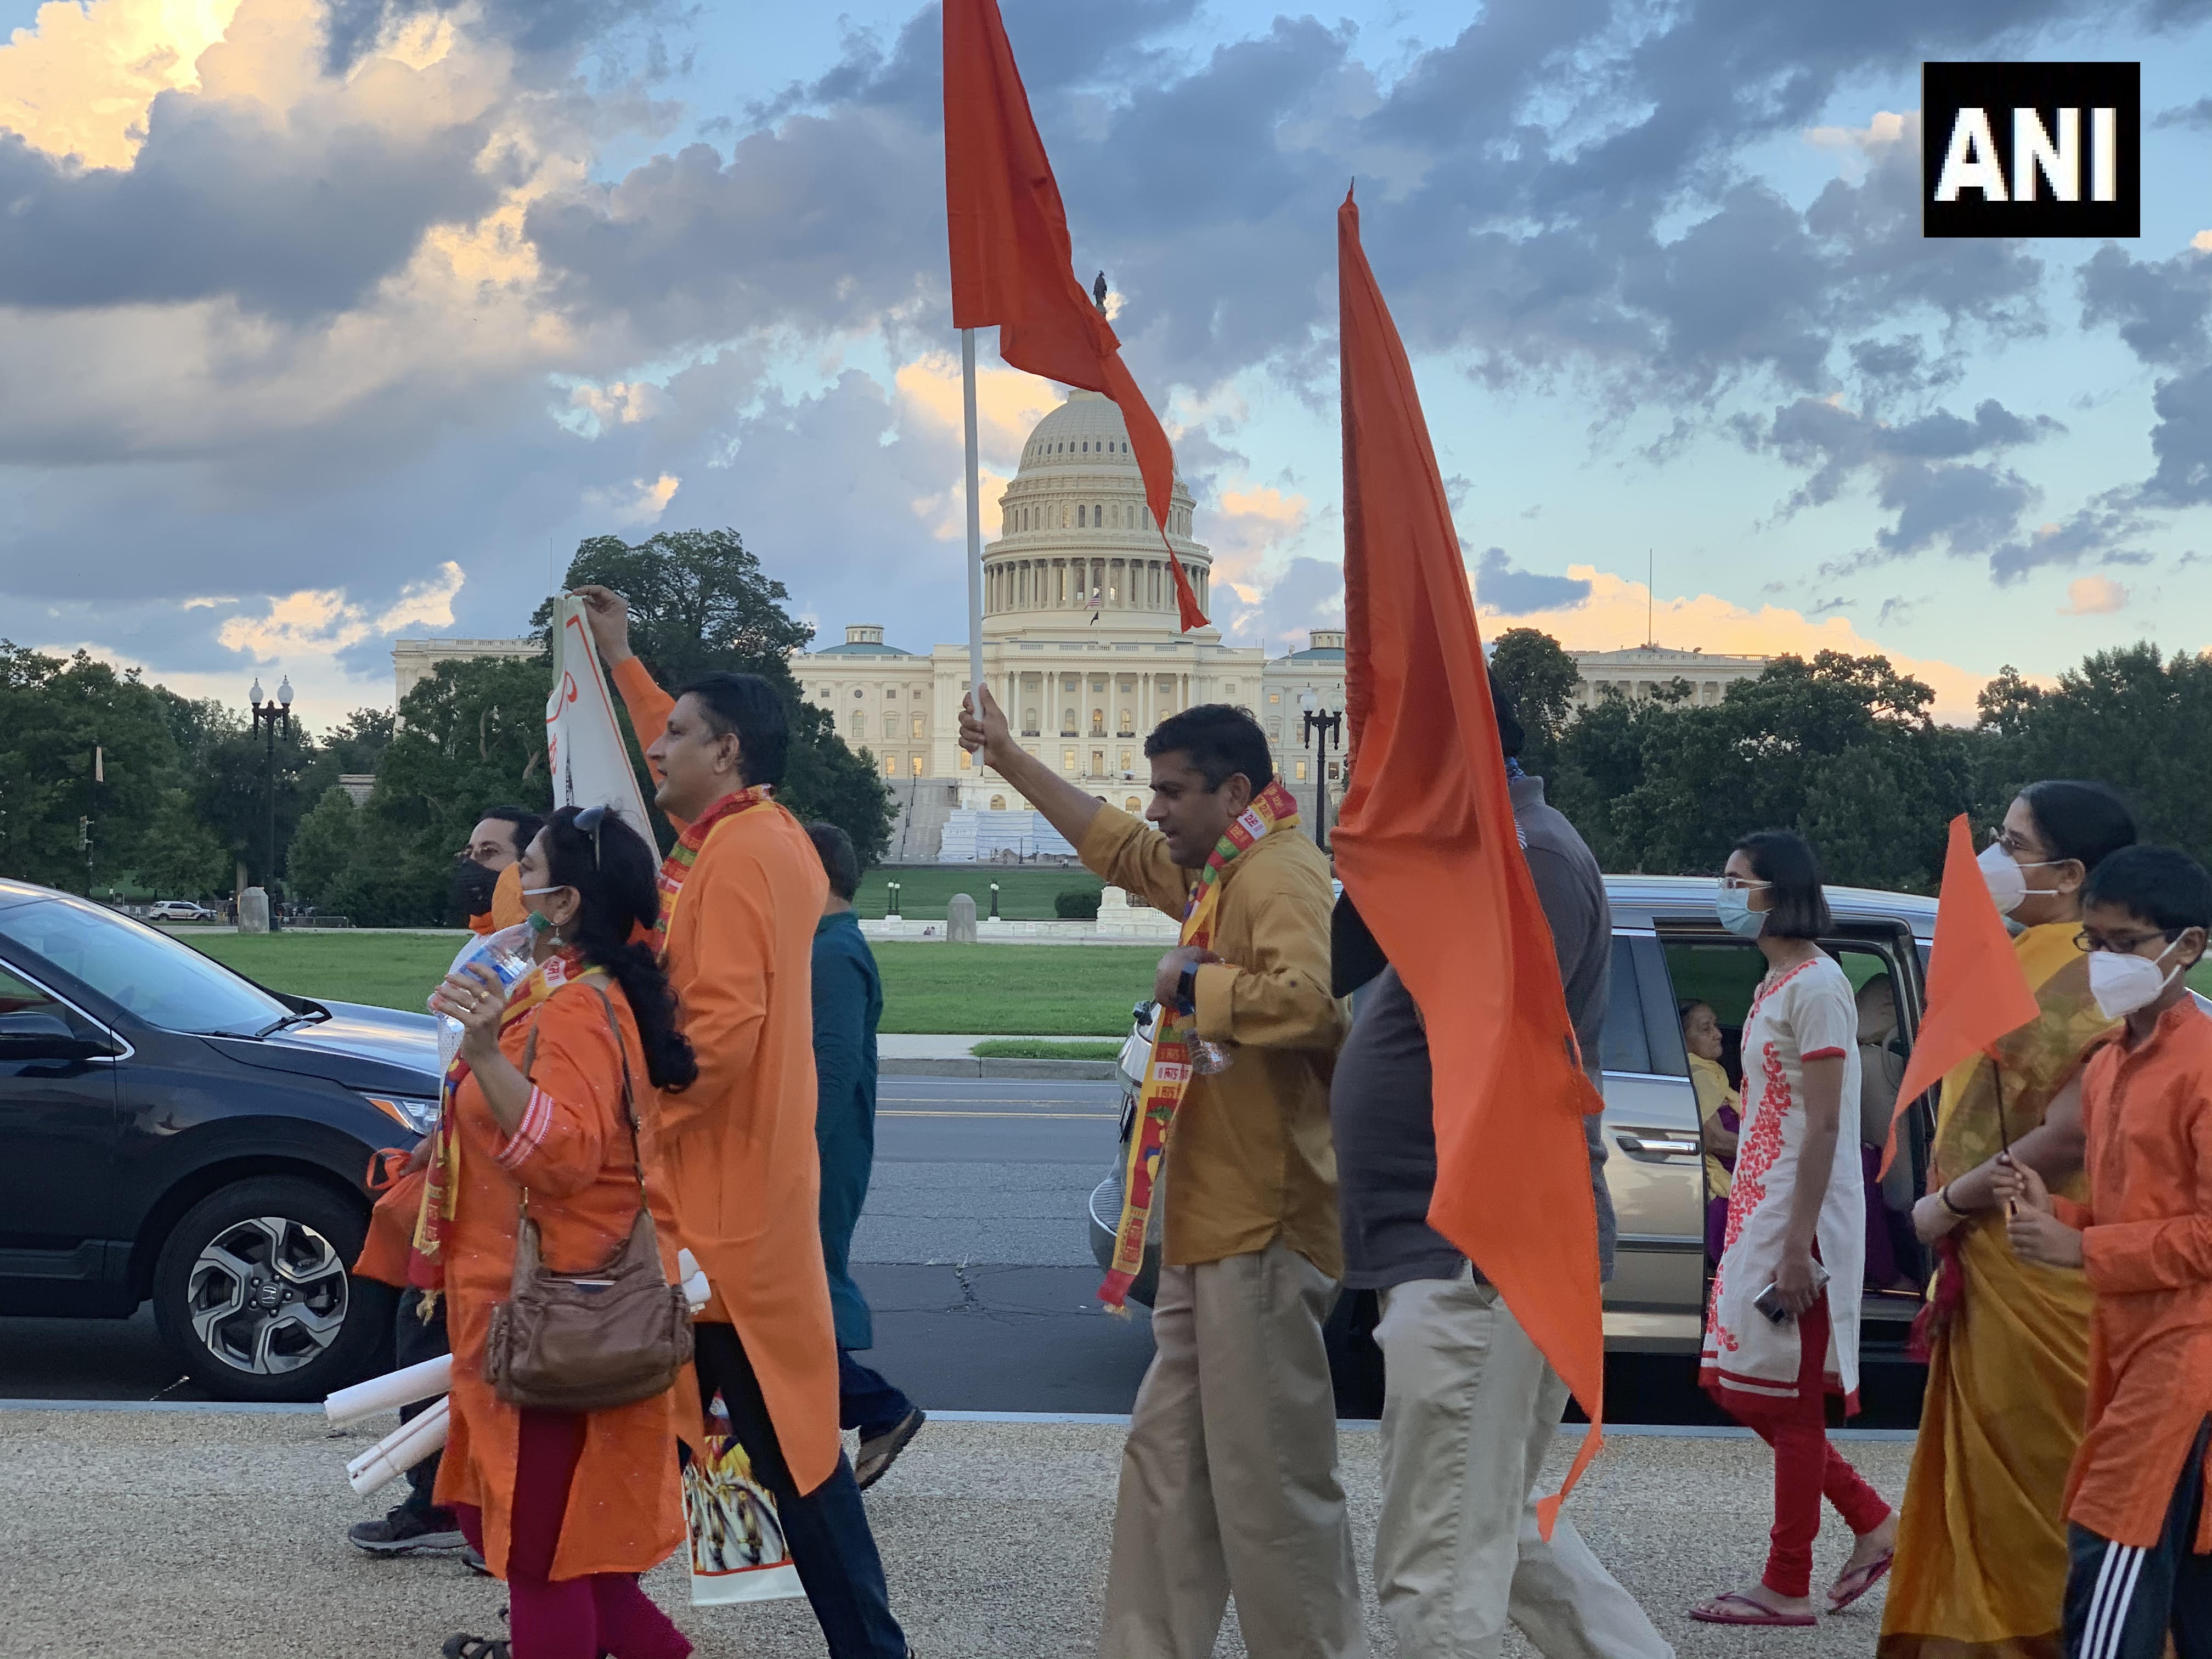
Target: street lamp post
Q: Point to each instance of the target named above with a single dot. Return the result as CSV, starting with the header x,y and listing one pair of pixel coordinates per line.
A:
x,y
1324,725
267,717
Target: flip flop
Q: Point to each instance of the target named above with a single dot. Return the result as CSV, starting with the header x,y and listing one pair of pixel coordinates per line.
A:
x,y
1720,1611
1859,1581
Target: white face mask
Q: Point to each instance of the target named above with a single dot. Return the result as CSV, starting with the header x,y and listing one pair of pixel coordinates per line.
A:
x,y
2007,887
2122,984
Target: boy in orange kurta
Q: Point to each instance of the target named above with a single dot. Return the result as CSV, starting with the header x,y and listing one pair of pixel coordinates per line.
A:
x,y
740,896
2140,1532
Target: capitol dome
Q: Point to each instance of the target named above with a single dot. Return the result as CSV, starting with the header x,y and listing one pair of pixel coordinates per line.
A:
x,y
1077,537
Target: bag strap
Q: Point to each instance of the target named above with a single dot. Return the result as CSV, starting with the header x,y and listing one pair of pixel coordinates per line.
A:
x,y
629,1091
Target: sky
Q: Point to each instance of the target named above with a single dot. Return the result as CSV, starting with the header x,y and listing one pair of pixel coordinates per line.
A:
x,y
328,322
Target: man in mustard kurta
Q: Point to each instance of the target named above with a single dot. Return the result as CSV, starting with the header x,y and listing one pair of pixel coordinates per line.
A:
x,y
740,896
1229,1483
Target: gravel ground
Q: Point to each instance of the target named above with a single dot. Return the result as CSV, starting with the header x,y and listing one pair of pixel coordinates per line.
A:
x,y
193,1535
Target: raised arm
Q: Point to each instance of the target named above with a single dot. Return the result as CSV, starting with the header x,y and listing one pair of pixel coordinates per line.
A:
x,y
1066,808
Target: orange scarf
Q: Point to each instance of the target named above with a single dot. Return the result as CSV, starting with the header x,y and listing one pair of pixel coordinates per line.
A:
x,y
676,868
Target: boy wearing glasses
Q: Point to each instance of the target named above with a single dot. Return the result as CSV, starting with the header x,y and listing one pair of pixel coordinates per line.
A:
x,y
2139,1532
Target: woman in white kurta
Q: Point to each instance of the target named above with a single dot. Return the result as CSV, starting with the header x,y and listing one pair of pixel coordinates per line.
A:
x,y
1795,1209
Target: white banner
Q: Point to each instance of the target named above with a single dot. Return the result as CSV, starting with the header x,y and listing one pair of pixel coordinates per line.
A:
x,y
590,762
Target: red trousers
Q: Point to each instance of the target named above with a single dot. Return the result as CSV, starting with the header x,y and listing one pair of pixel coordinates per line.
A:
x,y
568,1618
1806,1468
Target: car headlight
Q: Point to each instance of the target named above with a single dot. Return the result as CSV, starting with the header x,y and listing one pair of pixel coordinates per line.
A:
x,y
410,1112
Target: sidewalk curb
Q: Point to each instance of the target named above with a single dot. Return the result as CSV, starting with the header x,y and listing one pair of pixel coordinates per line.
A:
x,y
1065,1070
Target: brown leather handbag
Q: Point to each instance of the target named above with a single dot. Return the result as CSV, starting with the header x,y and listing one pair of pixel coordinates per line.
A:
x,y
589,1341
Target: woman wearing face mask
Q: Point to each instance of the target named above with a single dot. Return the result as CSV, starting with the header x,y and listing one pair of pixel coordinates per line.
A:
x,y
568,1507
1778,1343
1981,1554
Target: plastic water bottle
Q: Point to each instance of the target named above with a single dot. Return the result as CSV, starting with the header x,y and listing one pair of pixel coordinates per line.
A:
x,y
507,954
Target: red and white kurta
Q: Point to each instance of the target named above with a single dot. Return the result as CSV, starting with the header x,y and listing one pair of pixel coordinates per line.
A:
x,y
1749,1362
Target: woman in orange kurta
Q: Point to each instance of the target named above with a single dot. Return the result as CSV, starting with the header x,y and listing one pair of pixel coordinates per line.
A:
x,y
567,1507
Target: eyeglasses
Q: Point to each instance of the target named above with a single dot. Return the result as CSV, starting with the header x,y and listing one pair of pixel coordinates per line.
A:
x,y
2125,944
1742,884
2017,846
590,821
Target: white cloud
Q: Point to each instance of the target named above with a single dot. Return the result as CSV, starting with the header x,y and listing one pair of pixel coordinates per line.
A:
x,y
323,622
2094,596
646,499
80,79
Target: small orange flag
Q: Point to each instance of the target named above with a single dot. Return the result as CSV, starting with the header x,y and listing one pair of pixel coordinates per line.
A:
x,y
1427,849
1011,261
1977,989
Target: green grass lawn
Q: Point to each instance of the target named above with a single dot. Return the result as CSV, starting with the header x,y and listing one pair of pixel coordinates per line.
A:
x,y
1030,1049
1019,990
1024,894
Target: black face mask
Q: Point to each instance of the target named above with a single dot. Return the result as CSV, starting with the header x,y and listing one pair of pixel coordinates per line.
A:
x,y
472,887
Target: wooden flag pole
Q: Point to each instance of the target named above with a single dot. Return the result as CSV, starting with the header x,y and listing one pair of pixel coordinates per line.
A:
x,y
975,526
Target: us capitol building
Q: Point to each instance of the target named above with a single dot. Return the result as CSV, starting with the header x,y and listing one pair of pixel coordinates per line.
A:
x,y
1080,649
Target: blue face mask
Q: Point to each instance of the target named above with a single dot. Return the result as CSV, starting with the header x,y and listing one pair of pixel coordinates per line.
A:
x,y
1733,905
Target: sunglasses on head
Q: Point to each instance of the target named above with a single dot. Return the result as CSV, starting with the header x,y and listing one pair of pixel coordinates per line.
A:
x,y
591,820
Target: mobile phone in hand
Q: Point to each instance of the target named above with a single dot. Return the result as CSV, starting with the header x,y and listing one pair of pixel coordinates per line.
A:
x,y
1769,1301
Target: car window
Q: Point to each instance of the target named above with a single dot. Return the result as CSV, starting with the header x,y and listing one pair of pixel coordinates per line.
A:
x,y
28,1011
1624,1046
156,978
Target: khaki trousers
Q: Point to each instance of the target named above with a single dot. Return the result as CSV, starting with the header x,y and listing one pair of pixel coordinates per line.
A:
x,y
1469,1407
1229,1478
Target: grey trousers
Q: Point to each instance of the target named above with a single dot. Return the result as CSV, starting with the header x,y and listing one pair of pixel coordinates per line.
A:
x,y
1469,1408
1229,1480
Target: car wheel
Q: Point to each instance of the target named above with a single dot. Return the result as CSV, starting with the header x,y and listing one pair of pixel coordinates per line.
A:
x,y
253,1295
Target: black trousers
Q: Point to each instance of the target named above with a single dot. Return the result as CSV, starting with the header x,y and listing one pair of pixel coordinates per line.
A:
x,y
828,1529
414,1340
2122,1602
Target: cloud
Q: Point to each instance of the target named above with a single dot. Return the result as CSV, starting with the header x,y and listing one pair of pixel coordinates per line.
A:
x,y
1500,588
2094,596
640,503
80,81
1304,594
323,622
1612,618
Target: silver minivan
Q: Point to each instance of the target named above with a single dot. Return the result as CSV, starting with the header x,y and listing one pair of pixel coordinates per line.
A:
x,y
1670,952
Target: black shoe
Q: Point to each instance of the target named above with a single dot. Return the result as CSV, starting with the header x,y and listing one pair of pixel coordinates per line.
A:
x,y
474,1563
408,1532
879,1452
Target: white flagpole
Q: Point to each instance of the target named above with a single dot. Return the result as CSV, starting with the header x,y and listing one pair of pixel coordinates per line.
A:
x,y
975,526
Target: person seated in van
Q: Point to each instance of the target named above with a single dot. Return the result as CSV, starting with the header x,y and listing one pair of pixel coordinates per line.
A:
x,y
2139,1536
1720,1115
1881,1069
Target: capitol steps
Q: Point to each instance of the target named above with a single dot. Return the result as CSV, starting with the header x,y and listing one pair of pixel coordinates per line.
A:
x,y
976,836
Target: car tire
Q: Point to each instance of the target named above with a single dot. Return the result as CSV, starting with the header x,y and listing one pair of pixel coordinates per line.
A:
x,y
252,1294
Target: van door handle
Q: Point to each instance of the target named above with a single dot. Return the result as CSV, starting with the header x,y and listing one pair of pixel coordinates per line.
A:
x,y
1655,1147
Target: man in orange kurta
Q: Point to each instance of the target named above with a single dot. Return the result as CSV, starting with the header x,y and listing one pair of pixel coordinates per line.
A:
x,y
737,1146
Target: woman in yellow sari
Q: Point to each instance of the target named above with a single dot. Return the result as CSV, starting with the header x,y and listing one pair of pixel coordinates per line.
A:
x,y
1980,1569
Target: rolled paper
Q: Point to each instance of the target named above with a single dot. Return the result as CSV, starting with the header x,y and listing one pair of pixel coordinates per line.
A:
x,y
396,1444
390,1392
400,1451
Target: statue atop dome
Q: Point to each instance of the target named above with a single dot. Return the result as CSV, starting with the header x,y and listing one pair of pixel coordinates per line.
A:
x,y
1098,294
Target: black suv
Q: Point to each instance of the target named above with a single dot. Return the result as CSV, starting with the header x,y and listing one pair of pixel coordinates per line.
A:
x,y
169,1129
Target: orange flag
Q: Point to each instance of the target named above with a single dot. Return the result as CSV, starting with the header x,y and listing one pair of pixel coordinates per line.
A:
x,y
1426,848
1977,989
1011,262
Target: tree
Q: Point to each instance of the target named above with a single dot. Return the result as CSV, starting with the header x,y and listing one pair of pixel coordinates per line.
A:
x,y
230,787
699,602
2129,718
1540,678
324,849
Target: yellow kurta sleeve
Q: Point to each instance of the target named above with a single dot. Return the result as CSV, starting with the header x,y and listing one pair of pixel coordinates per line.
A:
x,y
1280,998
1130,853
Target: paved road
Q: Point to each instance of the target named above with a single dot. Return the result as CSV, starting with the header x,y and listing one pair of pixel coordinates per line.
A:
x,y
974,1253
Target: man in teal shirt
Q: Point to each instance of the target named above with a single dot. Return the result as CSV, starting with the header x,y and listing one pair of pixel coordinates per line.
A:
x,y
849,1004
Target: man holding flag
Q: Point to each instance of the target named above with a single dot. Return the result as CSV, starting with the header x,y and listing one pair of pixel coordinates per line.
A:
x,y
1482,1214
1229,1483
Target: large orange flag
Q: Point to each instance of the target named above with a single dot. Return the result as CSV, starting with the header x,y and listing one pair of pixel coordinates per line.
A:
x,y
1977,989
1011,262
1426,849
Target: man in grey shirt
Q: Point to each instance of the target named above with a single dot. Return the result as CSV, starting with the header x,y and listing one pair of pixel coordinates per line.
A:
x,y
1469,1403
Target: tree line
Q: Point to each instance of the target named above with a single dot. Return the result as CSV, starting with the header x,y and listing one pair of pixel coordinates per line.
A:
x,y
184,808
1842,749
